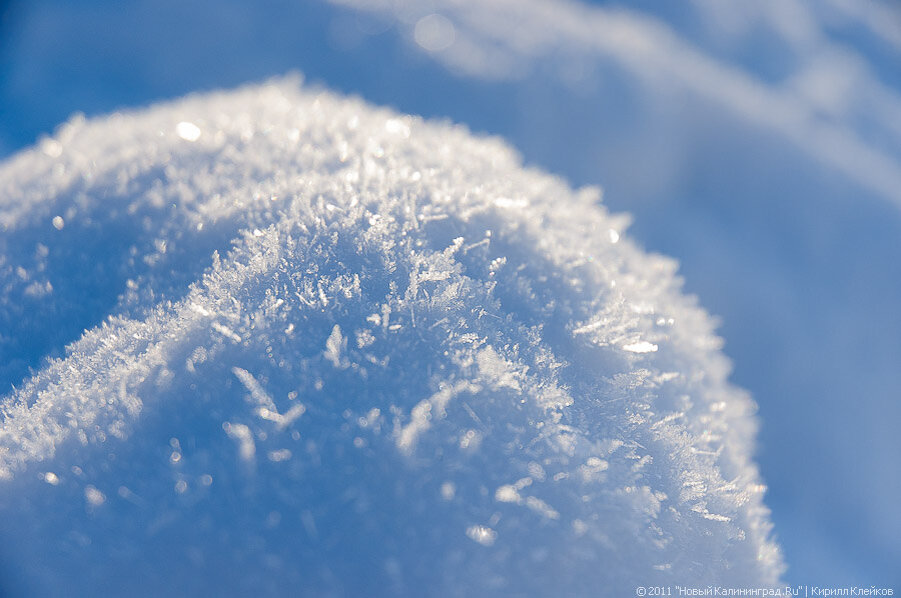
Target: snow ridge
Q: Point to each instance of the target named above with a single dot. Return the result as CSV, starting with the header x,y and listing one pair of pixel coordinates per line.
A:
x,y
418,365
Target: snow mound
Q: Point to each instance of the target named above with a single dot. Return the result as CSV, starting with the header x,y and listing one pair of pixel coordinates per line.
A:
x,y
283,342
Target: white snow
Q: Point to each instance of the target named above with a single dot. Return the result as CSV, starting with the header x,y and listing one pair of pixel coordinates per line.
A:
x,y
387,355
727,139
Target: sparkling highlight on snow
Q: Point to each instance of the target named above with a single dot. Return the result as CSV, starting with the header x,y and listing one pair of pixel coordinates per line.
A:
x,y
188,131
640,347
481,534
334,350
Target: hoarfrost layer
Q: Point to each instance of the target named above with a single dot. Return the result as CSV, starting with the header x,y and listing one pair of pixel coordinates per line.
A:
x,y
331,349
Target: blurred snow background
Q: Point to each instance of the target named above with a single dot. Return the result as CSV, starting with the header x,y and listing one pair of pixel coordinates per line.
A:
x,y
759,143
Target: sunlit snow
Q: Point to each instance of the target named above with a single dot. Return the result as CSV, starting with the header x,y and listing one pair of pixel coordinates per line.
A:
x,y
331,349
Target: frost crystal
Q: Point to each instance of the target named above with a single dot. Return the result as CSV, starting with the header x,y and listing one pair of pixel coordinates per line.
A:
x,y
406,361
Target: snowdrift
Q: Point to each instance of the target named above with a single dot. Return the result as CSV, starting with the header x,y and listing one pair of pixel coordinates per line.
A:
x,y
282,342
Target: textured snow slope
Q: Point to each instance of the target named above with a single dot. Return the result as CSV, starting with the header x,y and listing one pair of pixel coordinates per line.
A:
x,y
335,350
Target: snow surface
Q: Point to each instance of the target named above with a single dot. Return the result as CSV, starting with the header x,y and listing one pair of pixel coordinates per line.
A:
x,y
785,237
335,350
